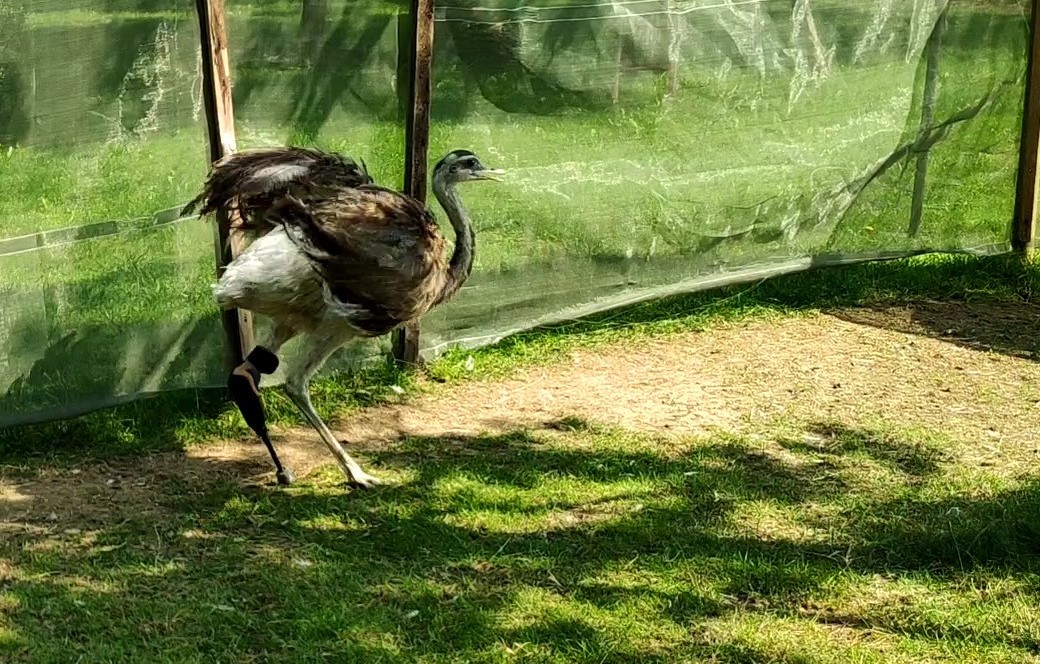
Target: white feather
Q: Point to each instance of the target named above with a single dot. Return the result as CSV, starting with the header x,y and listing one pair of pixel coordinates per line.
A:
x,y
278,174
274,277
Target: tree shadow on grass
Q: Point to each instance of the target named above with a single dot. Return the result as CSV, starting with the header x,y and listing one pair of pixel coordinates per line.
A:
x,y
471,555
830,441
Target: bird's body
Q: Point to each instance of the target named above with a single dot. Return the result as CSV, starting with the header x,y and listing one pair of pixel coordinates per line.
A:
x,y
274,278
336,256
367,258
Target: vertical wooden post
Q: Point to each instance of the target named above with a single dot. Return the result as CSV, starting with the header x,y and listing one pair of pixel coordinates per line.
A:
x,y
417,141
928,101
1024,231
220,121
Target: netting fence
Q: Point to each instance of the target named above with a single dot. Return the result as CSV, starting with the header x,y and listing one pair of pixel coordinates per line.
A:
x,y
653,147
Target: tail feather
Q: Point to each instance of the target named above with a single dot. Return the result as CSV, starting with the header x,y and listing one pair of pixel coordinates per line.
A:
x,y
252,180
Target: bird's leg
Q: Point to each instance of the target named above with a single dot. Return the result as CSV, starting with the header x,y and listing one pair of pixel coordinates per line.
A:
x,y
297,387
244,386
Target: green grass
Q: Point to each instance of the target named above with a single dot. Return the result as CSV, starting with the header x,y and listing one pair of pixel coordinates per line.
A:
x,y
570,544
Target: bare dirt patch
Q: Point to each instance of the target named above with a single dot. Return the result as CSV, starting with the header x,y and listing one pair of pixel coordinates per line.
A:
x,y
963,370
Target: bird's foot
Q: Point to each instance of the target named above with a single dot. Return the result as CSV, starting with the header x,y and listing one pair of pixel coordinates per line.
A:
x,y
363,480
285,476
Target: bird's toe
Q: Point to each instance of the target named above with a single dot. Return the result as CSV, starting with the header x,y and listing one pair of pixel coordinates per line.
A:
x,y
363,480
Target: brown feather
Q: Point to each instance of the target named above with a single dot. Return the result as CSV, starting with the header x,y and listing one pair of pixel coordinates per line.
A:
x,y
378,250
251,181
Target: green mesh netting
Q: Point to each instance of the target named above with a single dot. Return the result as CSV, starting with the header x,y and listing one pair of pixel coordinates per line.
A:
x,y
653,146
102,138
665,145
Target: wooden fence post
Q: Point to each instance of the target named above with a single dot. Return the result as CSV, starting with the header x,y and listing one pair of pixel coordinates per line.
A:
x,y
1024,232
417,141
220,121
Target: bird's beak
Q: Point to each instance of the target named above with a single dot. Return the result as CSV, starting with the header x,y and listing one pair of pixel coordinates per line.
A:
x,y
490,174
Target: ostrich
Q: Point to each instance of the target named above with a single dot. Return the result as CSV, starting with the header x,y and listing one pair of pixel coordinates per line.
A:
x,y
336,257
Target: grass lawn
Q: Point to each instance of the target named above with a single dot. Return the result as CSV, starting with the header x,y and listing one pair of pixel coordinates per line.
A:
x,y
574,545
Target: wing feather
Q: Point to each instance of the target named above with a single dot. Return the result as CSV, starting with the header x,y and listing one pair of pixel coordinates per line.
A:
x,y
379,253
275,175
253,180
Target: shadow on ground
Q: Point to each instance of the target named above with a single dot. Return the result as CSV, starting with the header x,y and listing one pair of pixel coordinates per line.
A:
x,y
1003,327
534,537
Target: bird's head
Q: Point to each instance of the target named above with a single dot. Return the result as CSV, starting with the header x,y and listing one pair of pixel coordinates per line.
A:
x,y
463,166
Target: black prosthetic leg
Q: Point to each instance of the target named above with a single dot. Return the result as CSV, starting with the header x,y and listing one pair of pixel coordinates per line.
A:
x,y
244,386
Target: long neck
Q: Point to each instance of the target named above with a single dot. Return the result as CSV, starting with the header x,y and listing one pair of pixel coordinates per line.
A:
x,y
462,259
